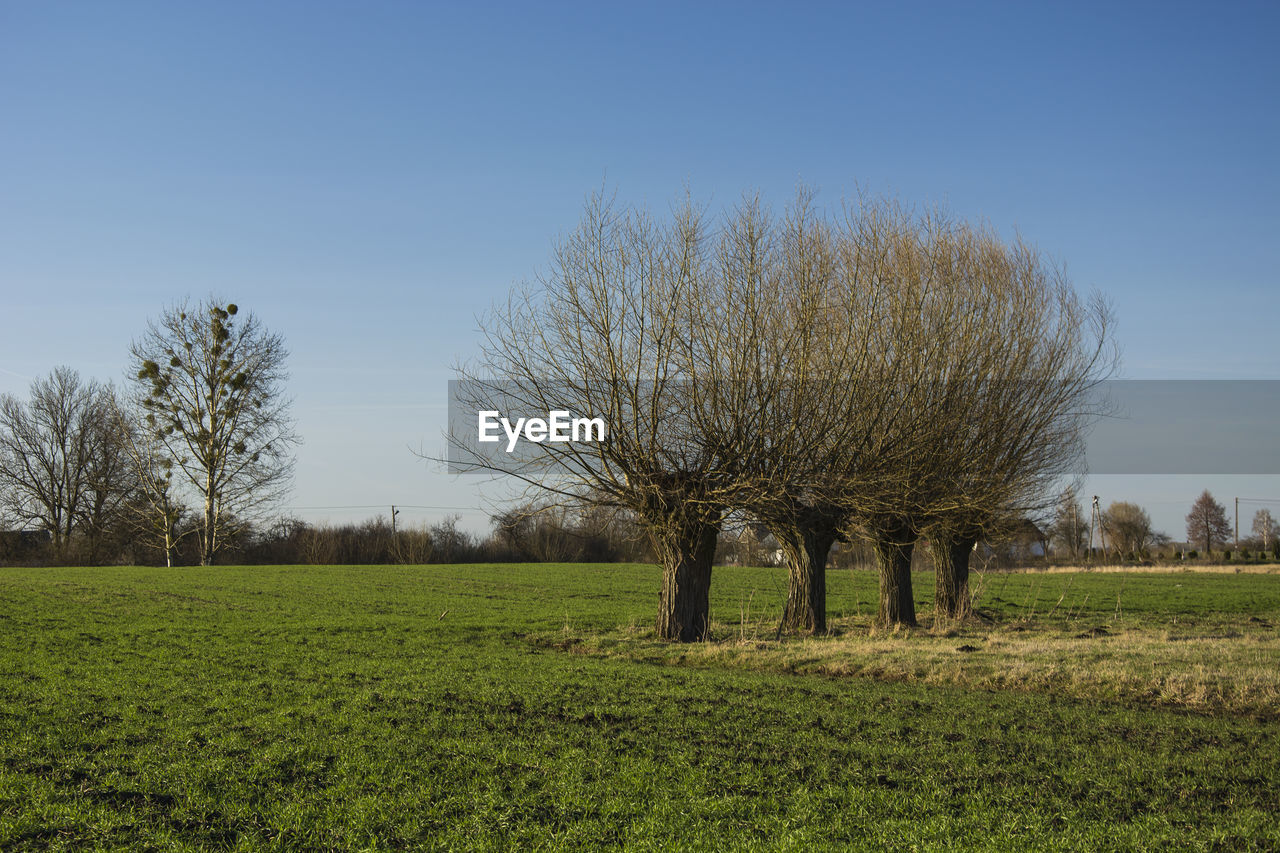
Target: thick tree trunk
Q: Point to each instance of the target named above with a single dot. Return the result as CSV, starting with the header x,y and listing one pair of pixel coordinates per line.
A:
x,y
894,544
805,550
951,555
683,604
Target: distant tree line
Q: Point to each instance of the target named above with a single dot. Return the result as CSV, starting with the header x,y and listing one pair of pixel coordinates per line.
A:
x,y
526,534
1123,533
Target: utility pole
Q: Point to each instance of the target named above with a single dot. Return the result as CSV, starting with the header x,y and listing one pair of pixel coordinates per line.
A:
x,y
1093,518
1096,519
1237,526
1075,529
395,540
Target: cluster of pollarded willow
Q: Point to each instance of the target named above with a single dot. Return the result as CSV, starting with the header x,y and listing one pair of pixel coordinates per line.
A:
x,y
882,373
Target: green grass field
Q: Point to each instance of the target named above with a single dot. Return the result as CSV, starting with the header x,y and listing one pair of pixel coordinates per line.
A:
x,y
528,707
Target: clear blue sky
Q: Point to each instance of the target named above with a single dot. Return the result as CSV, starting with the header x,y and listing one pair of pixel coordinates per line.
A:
x,y
367,177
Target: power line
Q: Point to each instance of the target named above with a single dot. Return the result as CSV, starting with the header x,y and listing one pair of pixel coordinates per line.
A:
x,y
454,508
1249,501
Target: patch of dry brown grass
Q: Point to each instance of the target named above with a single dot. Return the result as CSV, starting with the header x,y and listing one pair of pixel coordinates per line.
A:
x,y
1216,667
1158,568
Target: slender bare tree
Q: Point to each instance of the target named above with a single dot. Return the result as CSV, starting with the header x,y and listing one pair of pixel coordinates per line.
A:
x,y
1264,527
156,512
1070,525
210,384
1207,523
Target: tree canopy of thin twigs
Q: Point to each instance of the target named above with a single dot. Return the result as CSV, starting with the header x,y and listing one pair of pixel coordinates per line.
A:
x,y
60,466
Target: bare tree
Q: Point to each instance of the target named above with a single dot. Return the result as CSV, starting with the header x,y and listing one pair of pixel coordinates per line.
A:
x,y
211,386
1207,523
556,532
112,483
1264,527
810,441
840,434
1070,526
1129,527
58,463
539,531
156,512
448,543
1013,396
655,328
